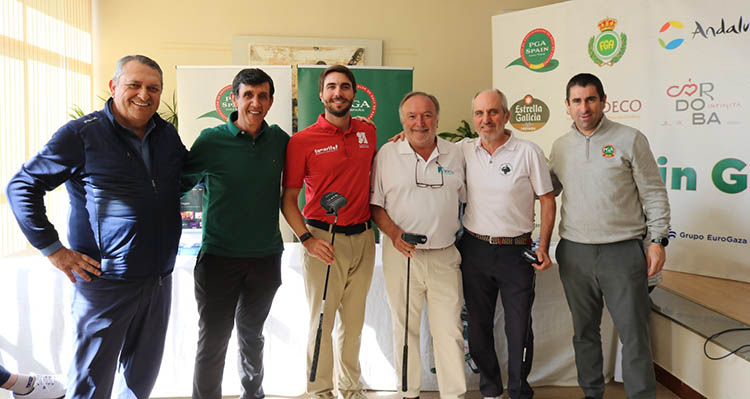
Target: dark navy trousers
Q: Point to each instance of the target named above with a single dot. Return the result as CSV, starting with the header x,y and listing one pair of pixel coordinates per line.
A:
x,y
120,328
488,269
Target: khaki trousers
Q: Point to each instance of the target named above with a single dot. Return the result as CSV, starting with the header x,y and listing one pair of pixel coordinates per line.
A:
x,y
348,284
436,278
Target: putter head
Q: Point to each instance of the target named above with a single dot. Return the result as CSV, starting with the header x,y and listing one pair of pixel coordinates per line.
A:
x,y
530,256
414,238
332,202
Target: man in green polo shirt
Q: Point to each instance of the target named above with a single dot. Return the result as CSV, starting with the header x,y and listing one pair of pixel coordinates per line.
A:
x,y
239,266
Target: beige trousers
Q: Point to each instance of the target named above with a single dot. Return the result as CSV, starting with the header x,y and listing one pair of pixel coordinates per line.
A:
x,y
348,284
435,277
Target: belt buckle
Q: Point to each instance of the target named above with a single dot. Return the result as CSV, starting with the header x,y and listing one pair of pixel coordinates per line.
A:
x,y
496,241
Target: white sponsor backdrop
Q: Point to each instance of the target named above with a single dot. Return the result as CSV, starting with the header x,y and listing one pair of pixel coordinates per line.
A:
x,y
691,101
199,86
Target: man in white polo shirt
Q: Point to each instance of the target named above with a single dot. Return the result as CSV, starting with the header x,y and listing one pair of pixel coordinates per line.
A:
x,y
417,186
504,174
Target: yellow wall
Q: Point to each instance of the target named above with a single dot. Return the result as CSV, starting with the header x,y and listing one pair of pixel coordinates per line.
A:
x,y
446,41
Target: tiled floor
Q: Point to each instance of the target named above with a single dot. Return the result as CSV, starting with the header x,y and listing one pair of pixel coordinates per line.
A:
x,y
613,391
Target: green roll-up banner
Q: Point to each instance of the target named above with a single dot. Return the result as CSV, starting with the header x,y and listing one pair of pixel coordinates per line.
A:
x,y
379,91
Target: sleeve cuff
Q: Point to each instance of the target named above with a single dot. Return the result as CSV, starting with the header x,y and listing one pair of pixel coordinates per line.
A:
x,y
50,249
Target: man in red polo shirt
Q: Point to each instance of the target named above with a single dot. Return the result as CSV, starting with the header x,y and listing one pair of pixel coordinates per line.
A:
x,y
334,154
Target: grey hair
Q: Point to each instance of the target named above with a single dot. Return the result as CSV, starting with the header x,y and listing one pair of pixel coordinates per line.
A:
x,y
503,100
418,93
142,59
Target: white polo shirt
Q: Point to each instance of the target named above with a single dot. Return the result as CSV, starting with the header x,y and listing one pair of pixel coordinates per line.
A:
x,y
501,186
432,211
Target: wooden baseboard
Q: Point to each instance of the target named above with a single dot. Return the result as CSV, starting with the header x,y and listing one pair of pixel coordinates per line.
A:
x,y
674,384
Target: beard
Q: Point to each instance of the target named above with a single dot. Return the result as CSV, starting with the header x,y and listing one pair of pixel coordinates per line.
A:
x,y
330,108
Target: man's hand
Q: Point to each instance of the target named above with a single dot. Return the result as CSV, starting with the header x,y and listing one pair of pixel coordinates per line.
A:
x,y
70,261
320,249
655,258
365,120
401,245
543,256
396,137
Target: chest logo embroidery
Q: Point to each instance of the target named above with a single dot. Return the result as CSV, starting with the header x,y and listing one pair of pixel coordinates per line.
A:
x,y
324,150
608,151
505,169
362,137
444,171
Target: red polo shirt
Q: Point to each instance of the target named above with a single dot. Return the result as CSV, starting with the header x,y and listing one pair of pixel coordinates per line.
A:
x,y
327,159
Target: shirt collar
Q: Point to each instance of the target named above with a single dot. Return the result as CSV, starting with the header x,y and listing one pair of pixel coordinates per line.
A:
x,y
601,126
405,148
111,115
329,127
235,131
510,145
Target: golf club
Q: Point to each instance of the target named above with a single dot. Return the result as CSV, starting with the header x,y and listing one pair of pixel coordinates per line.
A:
x,y
331,203
413,239
530,257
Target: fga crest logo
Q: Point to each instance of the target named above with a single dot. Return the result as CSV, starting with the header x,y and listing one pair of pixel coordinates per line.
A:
x,y
608,46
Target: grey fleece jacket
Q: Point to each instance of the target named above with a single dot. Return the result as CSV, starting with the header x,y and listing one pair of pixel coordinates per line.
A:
x,y
611,187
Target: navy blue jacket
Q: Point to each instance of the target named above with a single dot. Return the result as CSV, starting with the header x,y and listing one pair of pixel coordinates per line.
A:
x,y
120,214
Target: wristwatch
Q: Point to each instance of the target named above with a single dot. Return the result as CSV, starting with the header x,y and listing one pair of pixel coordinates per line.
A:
x,y
304,237
664,241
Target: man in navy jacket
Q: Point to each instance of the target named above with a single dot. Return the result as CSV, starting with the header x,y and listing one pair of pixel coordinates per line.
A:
x,y
121,168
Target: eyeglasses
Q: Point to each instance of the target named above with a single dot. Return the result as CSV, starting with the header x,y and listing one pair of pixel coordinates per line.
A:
x,y
427,185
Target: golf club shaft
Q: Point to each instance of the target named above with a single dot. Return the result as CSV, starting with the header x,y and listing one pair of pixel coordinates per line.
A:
x,y
528,327
404,365
318,335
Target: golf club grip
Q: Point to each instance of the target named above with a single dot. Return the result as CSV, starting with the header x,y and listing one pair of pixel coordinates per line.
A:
x,y
314,366
404,384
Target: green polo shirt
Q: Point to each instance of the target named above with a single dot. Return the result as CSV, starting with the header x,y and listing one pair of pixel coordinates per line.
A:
x,y
242,177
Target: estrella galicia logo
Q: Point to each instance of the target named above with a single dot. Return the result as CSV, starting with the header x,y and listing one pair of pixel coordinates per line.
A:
x,y
505,169
608,151
669,31
608,46
529,114
223,105
537,49
364,103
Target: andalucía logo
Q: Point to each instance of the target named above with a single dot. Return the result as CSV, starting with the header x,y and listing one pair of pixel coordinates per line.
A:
x,y
670,36
669,30
364,103
223,105
608,46
529,114
537,49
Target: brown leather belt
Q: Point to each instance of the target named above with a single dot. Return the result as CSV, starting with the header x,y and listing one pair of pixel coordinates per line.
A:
x,y
523,239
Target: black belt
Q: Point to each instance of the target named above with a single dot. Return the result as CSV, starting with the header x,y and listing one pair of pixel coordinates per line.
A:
x,y
347,230
523,239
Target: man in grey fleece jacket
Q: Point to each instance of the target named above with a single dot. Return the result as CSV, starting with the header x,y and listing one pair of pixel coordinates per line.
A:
x,y
612,197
